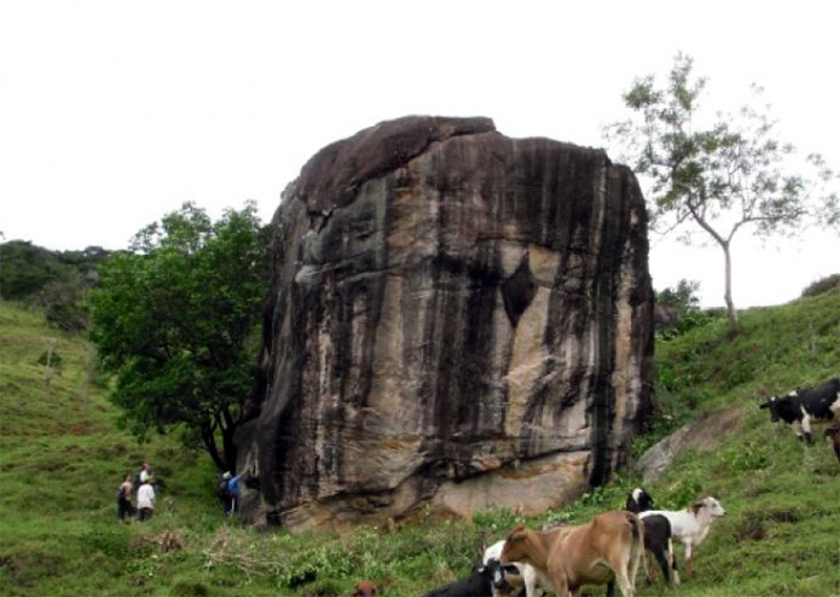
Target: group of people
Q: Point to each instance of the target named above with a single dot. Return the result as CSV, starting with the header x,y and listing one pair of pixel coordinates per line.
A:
x,y
142,484
142,488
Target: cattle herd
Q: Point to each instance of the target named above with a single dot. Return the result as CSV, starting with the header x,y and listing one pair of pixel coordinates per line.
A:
x,y
610,547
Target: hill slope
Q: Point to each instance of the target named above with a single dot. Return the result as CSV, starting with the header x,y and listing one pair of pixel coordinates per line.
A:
x,y
62,457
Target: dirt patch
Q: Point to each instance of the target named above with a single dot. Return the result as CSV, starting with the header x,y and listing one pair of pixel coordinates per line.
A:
x,y
165,542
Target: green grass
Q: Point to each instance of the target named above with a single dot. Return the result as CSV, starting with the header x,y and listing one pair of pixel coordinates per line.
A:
x,y
62,456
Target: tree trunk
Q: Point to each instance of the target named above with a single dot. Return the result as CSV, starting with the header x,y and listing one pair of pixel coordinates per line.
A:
x,y
210,444
229,447
730,305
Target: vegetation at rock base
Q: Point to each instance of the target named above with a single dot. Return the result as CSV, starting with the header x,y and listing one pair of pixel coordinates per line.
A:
x,y
62,457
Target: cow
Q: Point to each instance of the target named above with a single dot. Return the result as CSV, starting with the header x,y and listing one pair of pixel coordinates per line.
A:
x,y
483,582
690,526
657,537
801,406
606,549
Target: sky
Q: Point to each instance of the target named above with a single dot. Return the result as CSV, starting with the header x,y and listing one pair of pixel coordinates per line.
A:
x,y
115,113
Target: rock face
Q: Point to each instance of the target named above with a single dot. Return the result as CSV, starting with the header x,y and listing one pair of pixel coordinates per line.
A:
x,y
458,319
701,435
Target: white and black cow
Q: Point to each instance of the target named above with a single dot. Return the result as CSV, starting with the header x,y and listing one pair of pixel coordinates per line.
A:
x,y
657,536
481,583
802,406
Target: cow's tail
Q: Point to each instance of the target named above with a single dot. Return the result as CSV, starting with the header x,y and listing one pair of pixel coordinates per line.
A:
x,y
637,545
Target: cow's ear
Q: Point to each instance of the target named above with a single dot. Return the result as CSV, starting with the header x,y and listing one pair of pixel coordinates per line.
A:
x,y
481,569
695,508
765,405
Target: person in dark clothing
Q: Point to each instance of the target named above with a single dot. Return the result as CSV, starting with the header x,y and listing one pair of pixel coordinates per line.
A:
x,y
124,508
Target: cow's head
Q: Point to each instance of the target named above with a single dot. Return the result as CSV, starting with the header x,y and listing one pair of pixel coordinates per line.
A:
x,y
517,546
709,505
639,500
498,573
772,404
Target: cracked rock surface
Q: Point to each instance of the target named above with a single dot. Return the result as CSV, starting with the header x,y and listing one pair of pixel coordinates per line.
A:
x,y
457,319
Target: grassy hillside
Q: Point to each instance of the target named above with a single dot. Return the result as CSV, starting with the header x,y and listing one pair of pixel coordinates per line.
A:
x,y
62,457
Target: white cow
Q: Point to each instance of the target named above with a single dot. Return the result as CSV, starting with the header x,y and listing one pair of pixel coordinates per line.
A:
x,y
690,526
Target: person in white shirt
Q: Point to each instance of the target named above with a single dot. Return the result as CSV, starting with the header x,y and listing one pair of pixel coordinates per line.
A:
x,y
145,501
145,473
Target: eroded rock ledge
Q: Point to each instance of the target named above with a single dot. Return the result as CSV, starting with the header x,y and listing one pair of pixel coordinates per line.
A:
x,y
457,318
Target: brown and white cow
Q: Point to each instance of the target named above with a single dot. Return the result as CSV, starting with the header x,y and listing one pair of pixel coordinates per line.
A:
x,y
606,549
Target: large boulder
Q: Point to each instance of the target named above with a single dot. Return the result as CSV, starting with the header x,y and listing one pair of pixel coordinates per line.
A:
x,y
457,319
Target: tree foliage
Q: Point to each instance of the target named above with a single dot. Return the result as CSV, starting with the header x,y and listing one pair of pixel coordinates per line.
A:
x,y
175,318
682,297
719,174
55,280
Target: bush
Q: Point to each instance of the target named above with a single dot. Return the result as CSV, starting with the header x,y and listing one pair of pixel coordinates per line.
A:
x,y
822,286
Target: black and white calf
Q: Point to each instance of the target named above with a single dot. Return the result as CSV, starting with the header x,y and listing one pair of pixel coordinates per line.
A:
x,y
657,536
800,407
485,578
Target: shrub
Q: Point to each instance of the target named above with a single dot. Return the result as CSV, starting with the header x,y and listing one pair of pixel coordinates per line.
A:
x,y
822,286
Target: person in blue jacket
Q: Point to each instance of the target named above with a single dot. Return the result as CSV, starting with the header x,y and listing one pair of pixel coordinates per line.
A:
x,y
232,493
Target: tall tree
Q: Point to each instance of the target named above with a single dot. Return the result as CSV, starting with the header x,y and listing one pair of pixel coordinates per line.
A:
x,y
718,175
176,319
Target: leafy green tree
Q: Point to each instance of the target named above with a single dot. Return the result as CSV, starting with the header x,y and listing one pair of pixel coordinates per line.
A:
x,y
682,297
176,319
720,174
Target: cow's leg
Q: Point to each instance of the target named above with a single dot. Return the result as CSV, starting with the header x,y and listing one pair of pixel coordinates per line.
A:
x,y
559,581
689,560
611,588
672,561
648,571
662,560
622,567
806,427
530,583
797,429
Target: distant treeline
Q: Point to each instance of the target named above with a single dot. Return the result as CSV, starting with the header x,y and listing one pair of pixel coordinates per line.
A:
x,y
54,280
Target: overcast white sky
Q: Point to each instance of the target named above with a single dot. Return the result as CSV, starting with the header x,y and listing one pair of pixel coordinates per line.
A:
x,y
114,113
